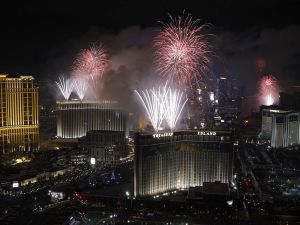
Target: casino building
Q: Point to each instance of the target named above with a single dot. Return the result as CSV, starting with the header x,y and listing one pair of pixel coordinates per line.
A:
x,y
181,159
267,120
285,130
75,118
19,115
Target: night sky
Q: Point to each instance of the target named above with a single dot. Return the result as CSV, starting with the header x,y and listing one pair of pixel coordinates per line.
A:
x,y
42,39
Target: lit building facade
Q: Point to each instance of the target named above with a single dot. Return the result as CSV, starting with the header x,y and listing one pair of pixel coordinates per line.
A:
x,y
75,118
182,159
267,121
19,115
285,130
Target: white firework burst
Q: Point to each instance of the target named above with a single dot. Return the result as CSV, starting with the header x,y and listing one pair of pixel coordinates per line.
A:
x,y
161,104
65,86
80,86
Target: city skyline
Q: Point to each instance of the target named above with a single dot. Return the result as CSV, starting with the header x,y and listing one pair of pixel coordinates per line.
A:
x,y
150,112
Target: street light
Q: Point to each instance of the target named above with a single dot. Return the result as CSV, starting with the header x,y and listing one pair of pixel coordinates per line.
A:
x,y
230,202
93,161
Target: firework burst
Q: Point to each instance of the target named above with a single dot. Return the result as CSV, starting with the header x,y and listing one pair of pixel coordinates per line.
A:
x,y
173,106
92,62
268,90
80,86
65,86
182,51
162,104
153,102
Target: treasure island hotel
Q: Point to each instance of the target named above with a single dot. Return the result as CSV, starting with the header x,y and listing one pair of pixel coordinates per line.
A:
x,y
19,115
181,159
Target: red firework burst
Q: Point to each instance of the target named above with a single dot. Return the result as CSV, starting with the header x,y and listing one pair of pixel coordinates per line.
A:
x,y
268,81
92,62
268,90
182,50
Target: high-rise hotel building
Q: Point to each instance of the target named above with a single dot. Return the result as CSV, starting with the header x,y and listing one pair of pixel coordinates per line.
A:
x,y
19,115
285,130
280,127
182,159
267,120
75,117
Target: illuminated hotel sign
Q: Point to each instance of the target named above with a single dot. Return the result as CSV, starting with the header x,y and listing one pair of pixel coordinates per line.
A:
x,y
162,135
200,133
207,133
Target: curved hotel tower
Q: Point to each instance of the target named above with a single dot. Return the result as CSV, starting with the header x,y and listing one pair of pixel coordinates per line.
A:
x,y
285,130
182,159
75,117
19,115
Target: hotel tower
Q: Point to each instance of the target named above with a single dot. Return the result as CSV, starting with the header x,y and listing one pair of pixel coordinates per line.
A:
x,y
19,115
75,118
182,159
